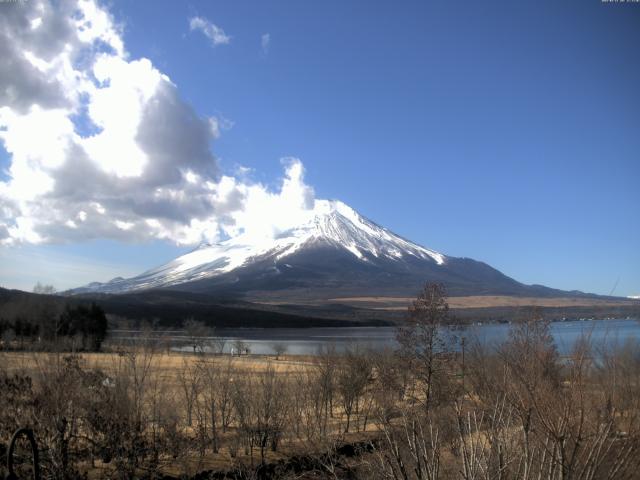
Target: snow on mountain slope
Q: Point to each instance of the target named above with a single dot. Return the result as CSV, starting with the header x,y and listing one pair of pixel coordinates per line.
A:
x,y
330,223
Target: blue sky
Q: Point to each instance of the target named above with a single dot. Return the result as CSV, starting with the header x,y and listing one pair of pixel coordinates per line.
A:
x,y
508,132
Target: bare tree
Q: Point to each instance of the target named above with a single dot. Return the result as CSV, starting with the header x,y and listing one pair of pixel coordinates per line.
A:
x,y
8,337
240,347
217,343
353,375
135,372
279,349
44,289
390,381
216,398
425,344
197,334
189,381
261,410
411,448
325,363
543,417
310,406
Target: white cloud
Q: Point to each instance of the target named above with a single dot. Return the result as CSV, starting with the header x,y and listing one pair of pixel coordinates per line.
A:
x,y
243,171
266,213
102,146
219,124
97,24
117,111
211,31
265,41
72,71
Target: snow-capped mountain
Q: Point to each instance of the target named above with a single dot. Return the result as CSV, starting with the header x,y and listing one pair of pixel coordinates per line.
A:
x,y
333,249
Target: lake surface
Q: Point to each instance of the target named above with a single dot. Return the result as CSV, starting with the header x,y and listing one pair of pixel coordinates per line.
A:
x,y
305,341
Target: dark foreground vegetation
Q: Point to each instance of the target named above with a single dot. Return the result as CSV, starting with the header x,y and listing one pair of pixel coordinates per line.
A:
x,y
512,411
46,322
168,309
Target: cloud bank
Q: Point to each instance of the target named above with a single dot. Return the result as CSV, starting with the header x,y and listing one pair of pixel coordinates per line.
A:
x,y
102,145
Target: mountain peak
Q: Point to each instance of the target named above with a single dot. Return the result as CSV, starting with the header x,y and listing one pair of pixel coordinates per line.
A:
x,y
328,207
337,224
329,224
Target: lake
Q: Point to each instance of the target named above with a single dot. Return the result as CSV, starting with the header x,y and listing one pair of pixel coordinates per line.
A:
x,y
305,341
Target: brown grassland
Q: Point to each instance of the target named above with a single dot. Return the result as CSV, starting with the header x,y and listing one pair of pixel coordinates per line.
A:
x,y
426,411
168,370
485,301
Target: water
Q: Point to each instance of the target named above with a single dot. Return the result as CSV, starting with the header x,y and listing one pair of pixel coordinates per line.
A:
x,y
308,341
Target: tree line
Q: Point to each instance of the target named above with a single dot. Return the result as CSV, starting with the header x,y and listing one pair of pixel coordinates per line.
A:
x,y
49,321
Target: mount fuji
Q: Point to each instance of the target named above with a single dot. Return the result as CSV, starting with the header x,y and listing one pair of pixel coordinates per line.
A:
x,y
332,252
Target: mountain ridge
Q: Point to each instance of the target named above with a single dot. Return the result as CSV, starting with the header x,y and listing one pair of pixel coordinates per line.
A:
x,y
331,249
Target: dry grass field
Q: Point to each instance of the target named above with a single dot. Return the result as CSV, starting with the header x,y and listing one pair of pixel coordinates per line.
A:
x,y
179,387
167,365
481,301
